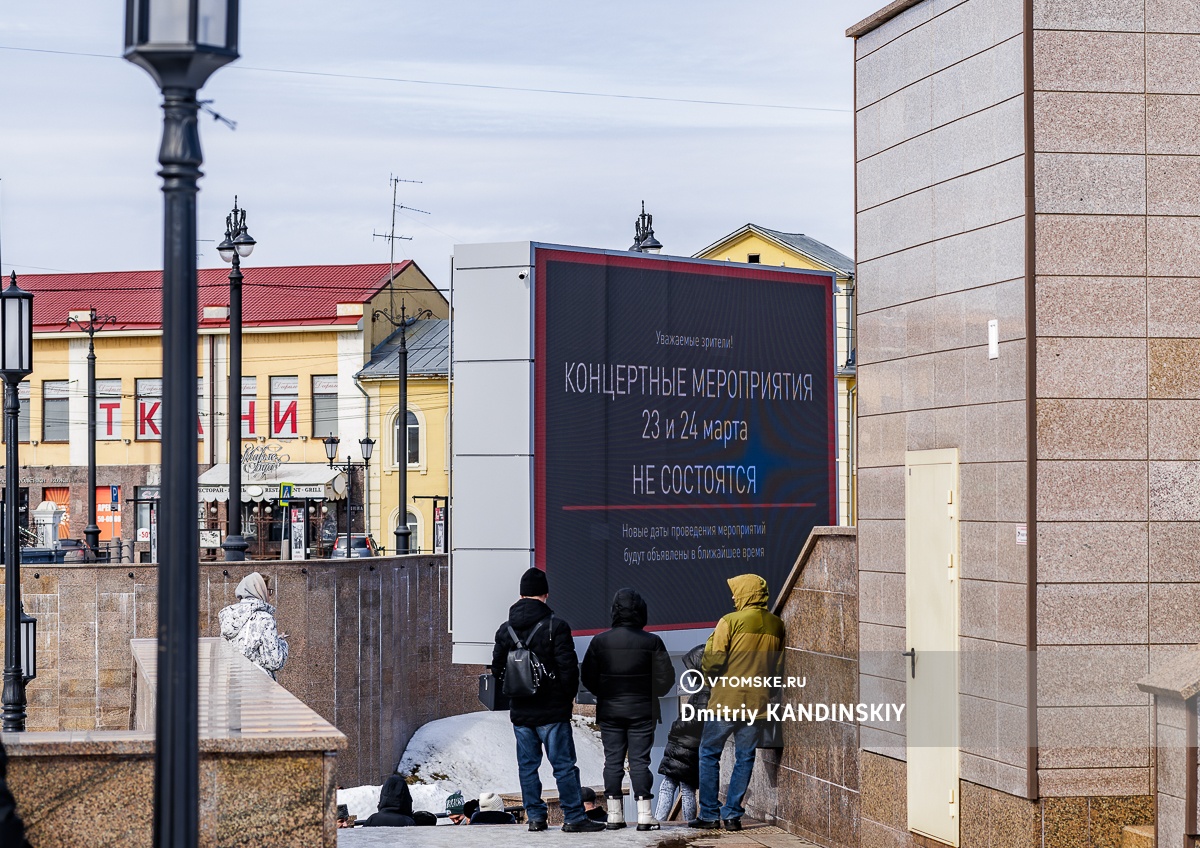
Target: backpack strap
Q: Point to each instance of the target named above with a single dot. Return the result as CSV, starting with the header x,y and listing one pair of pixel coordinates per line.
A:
x,y
517,640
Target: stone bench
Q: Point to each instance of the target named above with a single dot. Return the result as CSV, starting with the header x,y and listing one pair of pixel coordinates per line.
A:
x,y
266,766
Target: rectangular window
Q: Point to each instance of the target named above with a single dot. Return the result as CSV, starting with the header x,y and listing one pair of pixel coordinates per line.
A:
x,y
285,404
144,494
754,258
56,414
149,410
108,410
249,407
201,408
324,406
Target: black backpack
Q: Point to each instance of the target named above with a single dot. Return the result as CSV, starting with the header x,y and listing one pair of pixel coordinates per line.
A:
x,y
524,672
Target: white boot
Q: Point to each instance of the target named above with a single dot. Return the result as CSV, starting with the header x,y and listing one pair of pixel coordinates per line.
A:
x,y
646,819
616,813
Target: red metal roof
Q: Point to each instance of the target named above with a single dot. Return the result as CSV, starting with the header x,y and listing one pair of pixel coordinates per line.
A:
x,y
297,295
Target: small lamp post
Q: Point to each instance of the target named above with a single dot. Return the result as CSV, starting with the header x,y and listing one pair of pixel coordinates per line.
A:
x,y
403,534
237,245
180,43
16,363
93,325
367,446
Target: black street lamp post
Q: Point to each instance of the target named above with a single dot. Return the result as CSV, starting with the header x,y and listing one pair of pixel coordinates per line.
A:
x,y
93,325
237,244
367,446
16,363
180,43
403,534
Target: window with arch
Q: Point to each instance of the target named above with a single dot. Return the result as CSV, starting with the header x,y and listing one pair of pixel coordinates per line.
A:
x,y
411,449
414,532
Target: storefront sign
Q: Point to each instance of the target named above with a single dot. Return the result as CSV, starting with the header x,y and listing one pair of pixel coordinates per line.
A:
x,y
262,461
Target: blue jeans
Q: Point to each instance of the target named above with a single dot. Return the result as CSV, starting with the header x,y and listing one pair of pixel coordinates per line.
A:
x,y
560,751
712,741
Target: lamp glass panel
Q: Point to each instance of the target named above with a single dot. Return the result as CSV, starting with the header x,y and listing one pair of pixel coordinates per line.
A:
x,y
245,248
226,253
368,447
27,334
12,334
168,21
211,22
331,446
28,647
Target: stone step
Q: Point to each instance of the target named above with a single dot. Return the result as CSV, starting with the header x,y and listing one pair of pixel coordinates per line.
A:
x,y
1137,836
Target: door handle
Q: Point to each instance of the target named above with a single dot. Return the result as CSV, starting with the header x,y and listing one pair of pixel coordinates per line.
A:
x,y
911,653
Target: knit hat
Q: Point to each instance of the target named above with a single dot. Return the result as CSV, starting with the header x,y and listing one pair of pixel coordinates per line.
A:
x,y
533,583
343,811
587,794
424,818
491,801
454,804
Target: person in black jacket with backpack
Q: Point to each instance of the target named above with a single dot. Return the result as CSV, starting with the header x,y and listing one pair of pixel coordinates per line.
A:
x,y
628,670
543,718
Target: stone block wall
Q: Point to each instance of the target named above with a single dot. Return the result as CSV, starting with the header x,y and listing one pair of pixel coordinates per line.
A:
x,y
369,645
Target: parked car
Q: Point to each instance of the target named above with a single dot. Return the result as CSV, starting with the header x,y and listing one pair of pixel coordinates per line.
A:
x,y
361,545
74,550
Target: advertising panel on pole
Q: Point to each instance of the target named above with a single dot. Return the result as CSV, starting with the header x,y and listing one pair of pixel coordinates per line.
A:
x,y
299,548
684,429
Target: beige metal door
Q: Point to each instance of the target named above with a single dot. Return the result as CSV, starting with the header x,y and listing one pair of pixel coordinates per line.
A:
x,y
931,666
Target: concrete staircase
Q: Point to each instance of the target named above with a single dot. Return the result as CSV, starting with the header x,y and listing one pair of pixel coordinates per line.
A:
x,y
1137,836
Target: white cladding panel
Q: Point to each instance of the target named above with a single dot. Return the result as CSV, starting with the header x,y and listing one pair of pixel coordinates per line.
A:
x,y
492,502
484,585
493,408
493,314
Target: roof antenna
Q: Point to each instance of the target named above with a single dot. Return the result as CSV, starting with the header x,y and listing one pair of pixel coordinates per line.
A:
x,y
1,227
392,238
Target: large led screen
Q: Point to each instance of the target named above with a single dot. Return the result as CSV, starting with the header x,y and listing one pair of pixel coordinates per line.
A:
x,y
684,429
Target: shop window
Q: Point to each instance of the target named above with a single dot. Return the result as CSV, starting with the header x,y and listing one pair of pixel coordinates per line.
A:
x,y
324,406
285,403
249,407
412,447
108,410
149,410
108,512
56,413
61,496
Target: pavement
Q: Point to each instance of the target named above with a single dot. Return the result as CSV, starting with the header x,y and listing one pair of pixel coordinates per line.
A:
x,y
511,836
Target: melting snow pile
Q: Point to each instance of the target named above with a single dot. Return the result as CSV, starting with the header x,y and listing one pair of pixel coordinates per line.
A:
x,y
472,753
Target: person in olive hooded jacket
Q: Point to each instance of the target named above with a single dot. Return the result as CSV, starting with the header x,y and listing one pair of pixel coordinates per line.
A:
x,y
744,645
628,670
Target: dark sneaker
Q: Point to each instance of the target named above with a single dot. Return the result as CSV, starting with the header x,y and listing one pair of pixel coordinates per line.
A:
x,y
704,824
537,824
585,826
733,824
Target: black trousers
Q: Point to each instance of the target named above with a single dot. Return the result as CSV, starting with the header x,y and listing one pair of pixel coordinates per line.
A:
x,y
634,738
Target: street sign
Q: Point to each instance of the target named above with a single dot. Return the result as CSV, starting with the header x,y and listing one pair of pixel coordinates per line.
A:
x,y
116,494
285,493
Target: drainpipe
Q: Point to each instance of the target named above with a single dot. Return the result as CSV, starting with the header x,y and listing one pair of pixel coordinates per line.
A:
x,y
366,468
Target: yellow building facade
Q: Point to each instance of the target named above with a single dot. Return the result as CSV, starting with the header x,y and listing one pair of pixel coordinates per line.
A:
x,y
307,332
759,245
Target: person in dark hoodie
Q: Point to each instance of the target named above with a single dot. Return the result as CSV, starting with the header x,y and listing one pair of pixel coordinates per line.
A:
x,y
12,829
544,718
395,805
680,765
628,670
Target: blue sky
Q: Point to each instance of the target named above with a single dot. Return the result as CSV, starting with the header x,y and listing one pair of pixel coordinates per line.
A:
x,y
317,141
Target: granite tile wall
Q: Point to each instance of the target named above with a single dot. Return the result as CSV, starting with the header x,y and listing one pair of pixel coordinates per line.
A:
x,y
811,786
368,641
941,251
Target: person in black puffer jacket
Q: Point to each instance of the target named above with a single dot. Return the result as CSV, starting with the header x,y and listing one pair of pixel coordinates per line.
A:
x,y
544,718
628,670
680,766
395,805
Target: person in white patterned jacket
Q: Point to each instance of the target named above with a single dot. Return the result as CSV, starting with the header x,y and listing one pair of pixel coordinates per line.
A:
x,y
250,625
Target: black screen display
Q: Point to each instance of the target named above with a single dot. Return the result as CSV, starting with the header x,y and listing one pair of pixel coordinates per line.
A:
x,y
684,430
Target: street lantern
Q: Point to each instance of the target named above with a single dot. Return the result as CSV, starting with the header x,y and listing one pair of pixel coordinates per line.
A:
x,y
28,647
16,363
367,446
180,43
16,331
331,446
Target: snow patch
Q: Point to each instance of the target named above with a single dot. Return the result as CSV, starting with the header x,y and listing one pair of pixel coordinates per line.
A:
x,y
473,753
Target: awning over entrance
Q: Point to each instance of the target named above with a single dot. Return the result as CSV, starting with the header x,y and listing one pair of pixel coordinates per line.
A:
x,y
309,480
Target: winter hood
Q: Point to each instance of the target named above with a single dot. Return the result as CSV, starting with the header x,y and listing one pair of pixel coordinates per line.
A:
x,y
252,586
749,590
394,797
234,617
527,612
693,658
628,609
